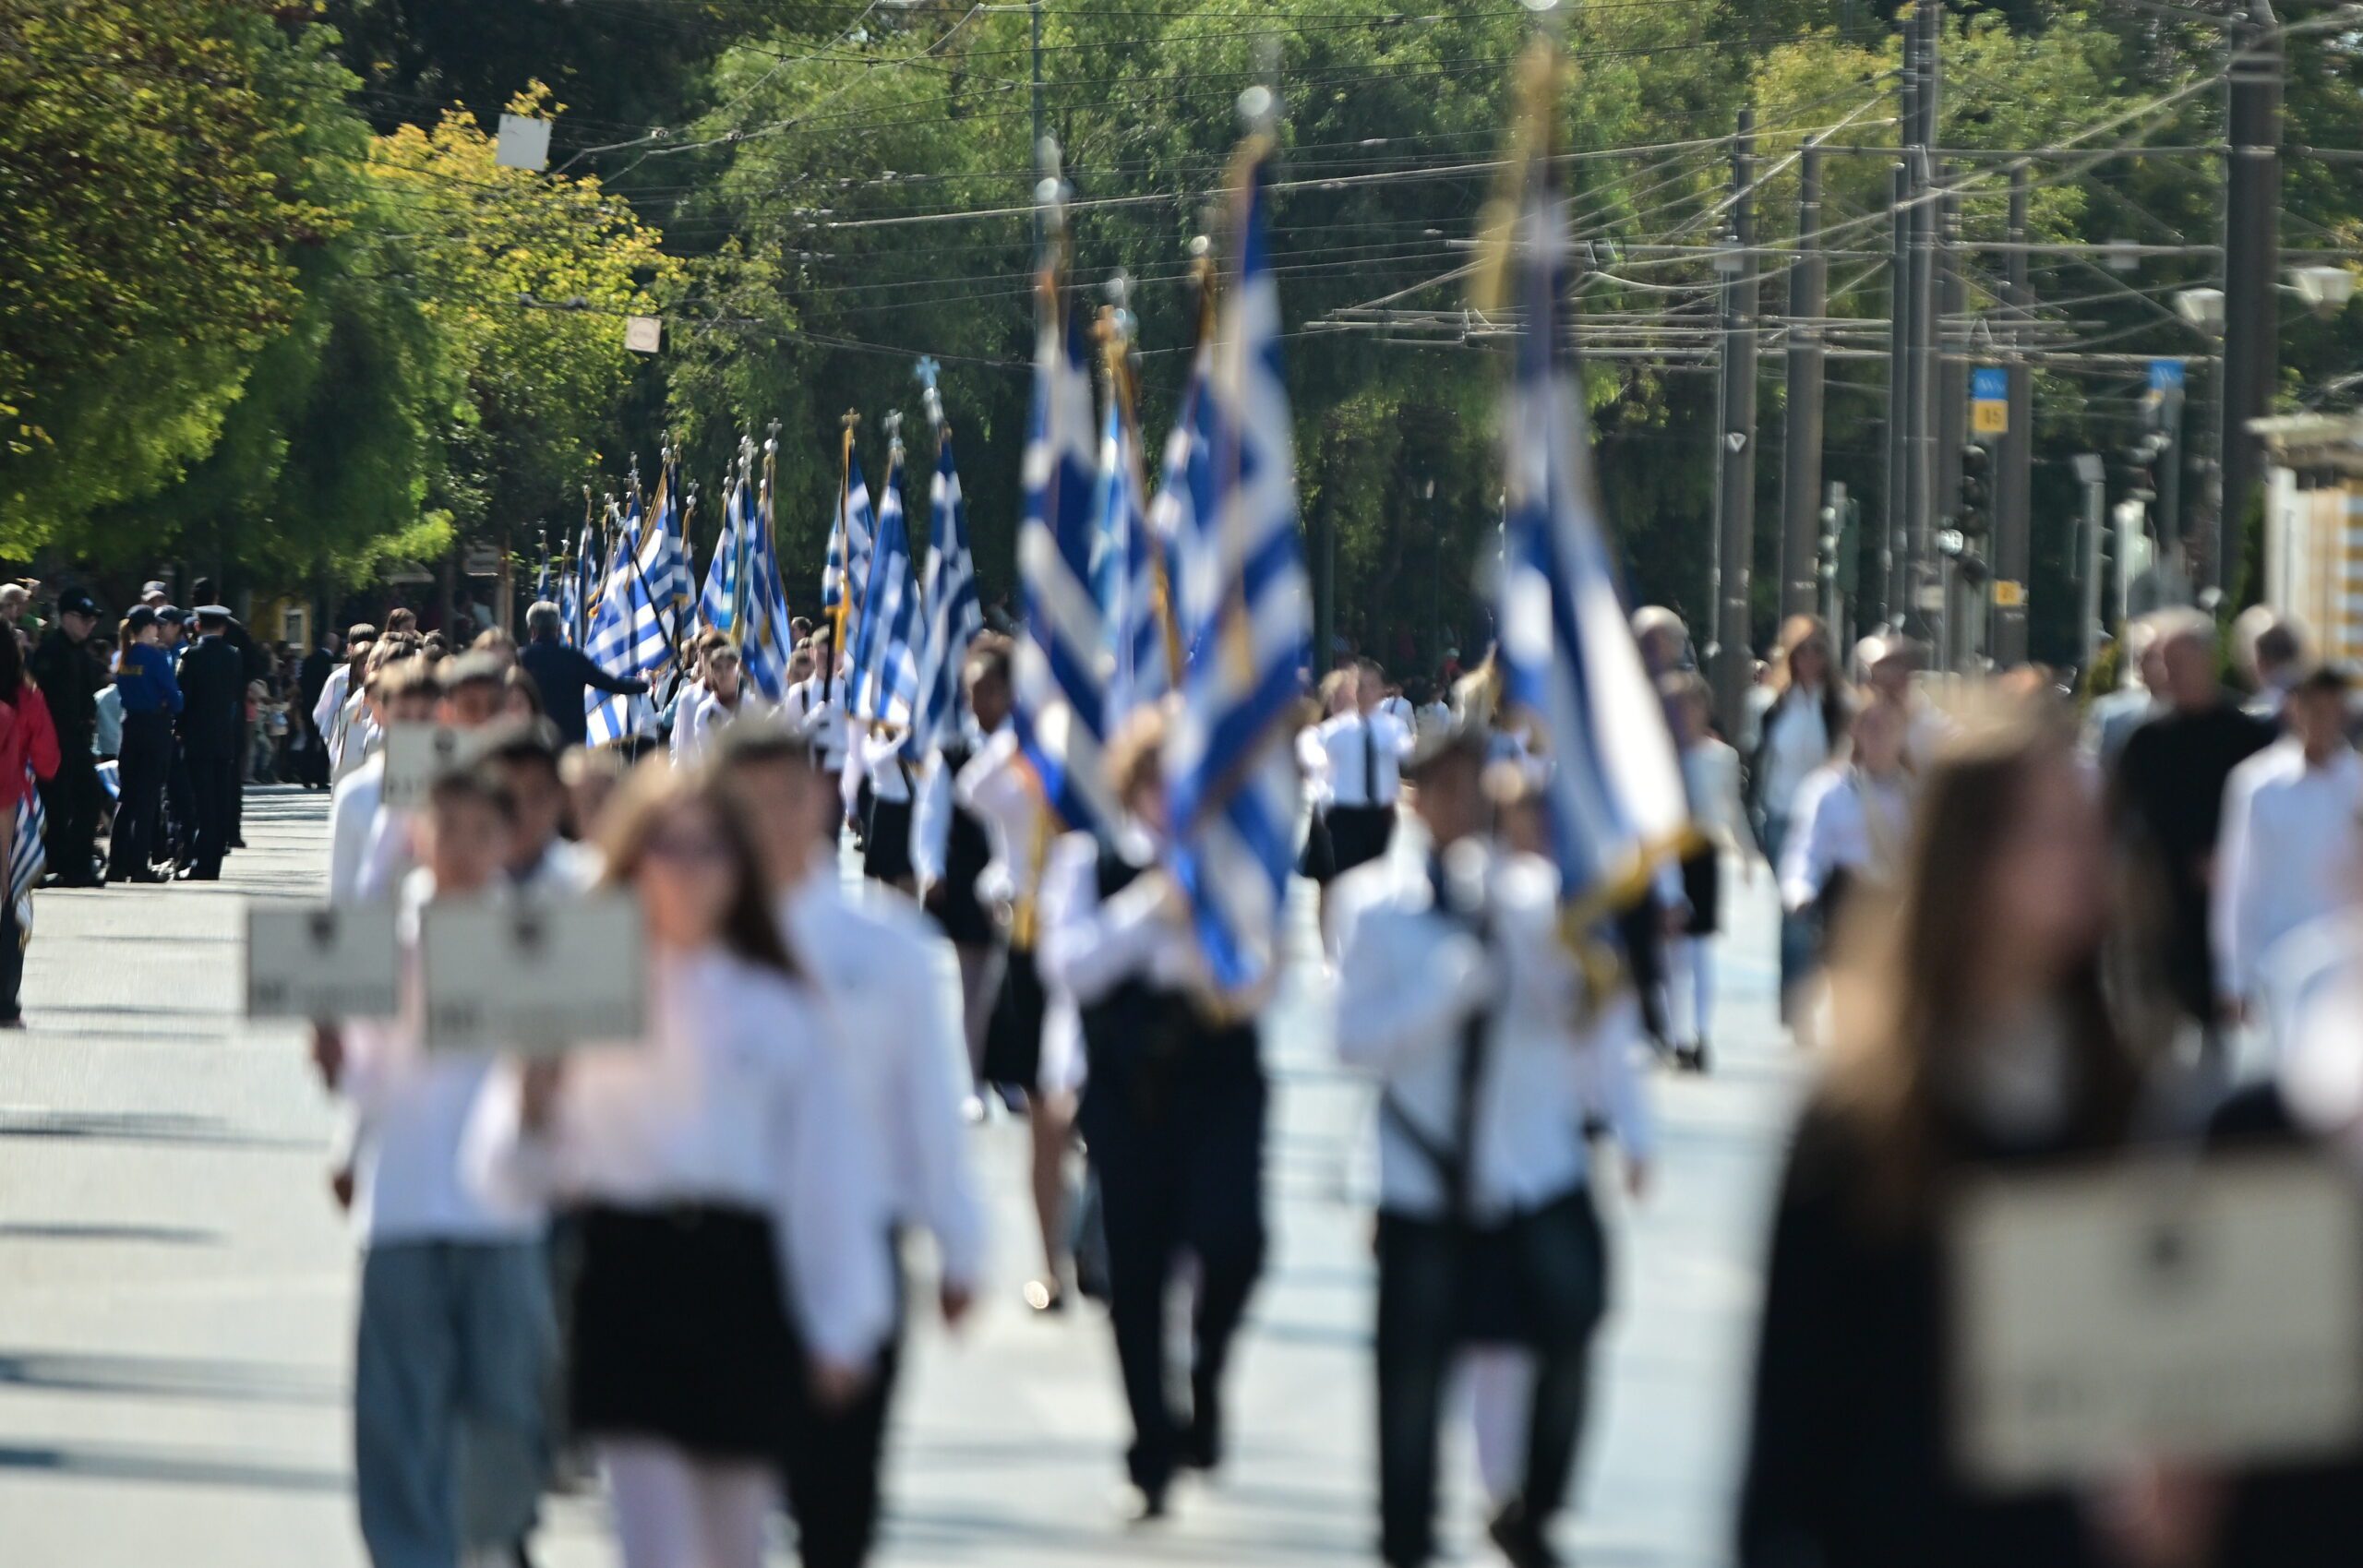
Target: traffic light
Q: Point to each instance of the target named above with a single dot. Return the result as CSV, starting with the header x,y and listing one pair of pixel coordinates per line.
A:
x,y
1976,491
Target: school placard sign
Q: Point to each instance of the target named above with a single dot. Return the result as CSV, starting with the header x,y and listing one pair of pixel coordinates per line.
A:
x,y
533,977
323,962
416,754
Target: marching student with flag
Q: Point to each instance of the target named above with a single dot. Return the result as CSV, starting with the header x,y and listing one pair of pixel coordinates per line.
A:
x,y
951,842
1479,983
631,635
881,681
1159,926
816,703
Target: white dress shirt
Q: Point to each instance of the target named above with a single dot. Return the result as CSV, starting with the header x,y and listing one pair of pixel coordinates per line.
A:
x,y
824,719
1409,979
1363,752
1711,779
997,786
411,1110
736,1098
1796,741
2291,852
332,694
1313,762
685,720
712,716
353,816
1845,820
892,992
1398,708
1090,946
931,810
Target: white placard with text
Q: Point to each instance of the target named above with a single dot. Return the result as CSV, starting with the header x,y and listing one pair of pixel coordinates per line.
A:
x,y
2209,1313
416,754
318,962
531,976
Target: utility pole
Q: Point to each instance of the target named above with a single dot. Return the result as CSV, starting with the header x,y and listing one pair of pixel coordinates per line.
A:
x,y
1922,610
1735,437
2251,263
1961,628
2013,486
1800,463
1895,536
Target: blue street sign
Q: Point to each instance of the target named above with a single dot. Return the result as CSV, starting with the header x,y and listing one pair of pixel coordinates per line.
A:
x,y
1989,384
2165,376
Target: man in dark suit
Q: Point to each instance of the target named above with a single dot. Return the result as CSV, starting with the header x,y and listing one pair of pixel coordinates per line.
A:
x,y
213,707
561,672
254,661
69,675
311,679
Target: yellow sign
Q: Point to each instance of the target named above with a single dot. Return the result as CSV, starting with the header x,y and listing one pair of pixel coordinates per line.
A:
x,y
2010,595
1989,418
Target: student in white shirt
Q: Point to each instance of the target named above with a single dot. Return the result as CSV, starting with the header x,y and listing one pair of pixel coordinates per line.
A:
x,y
814,703
887,978
1457,992
455,1333
1852,828
1172,1114
1800,717
1363,750
2291,850
735,1286
998,788
1711,781
722,700
469,694
951,844
401,691
540,861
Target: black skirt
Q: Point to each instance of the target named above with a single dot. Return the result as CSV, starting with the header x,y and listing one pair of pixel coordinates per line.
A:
x,y
1319,861
886,848
681,1332
1014,1033
1702,887
1359,834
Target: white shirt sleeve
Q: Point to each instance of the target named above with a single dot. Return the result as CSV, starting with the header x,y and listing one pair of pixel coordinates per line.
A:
x,y
831,1208
935,1086
1087,948
331,699
2232,919
1809,856
931,820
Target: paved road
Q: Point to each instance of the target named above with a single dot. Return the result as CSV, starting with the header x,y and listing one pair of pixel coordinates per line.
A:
x,y
176,1291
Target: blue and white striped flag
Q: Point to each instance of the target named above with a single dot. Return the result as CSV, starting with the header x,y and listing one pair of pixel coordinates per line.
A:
x,y
846,573
542,578
954,616
718,605
28,855
632,633
1185,493
1059,697
1125,568
763,637
1615,797
1230,778
576,591
884,676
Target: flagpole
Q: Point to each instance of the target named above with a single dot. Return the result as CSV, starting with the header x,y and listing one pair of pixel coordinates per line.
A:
x,y
849,419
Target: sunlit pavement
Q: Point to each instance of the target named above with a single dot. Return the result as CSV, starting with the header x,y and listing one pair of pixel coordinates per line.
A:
x,y
176,1293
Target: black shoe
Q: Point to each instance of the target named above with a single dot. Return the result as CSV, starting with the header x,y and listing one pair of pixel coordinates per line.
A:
x,y
1144,1504
1701,1058
1201,1446
237,842
1519,1538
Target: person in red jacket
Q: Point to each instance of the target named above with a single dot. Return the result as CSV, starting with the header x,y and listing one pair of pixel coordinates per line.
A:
x,y
28,752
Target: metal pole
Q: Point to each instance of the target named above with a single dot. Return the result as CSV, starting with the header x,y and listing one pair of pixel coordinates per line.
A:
x,y
1735,470
1895,539
2014,486
1800,461
2170,486
2251,260
2095,498
1924,608
1951,371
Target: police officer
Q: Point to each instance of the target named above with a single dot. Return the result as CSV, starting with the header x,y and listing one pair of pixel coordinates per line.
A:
x,y
69,673
1172,1111
213,702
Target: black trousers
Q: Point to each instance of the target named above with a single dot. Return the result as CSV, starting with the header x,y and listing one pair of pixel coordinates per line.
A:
x,y
212,793
71,798
177,835
140,770
1183,1174
1553,1263
12,961
237,781
832,1473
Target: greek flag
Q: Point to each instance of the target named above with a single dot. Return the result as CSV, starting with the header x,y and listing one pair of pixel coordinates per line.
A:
x,y
1124,569
574,594
762,614
953,617
632,633
542,578
1185,493
845,574
1614,795
26,856
718,606
884,676
1230,778
1060,699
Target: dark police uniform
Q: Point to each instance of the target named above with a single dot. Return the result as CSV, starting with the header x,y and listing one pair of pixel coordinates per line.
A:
x,y
213,701
69,676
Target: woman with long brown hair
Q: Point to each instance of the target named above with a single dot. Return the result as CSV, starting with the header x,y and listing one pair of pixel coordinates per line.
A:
x,y
732,1272
1799,723
1970,1034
